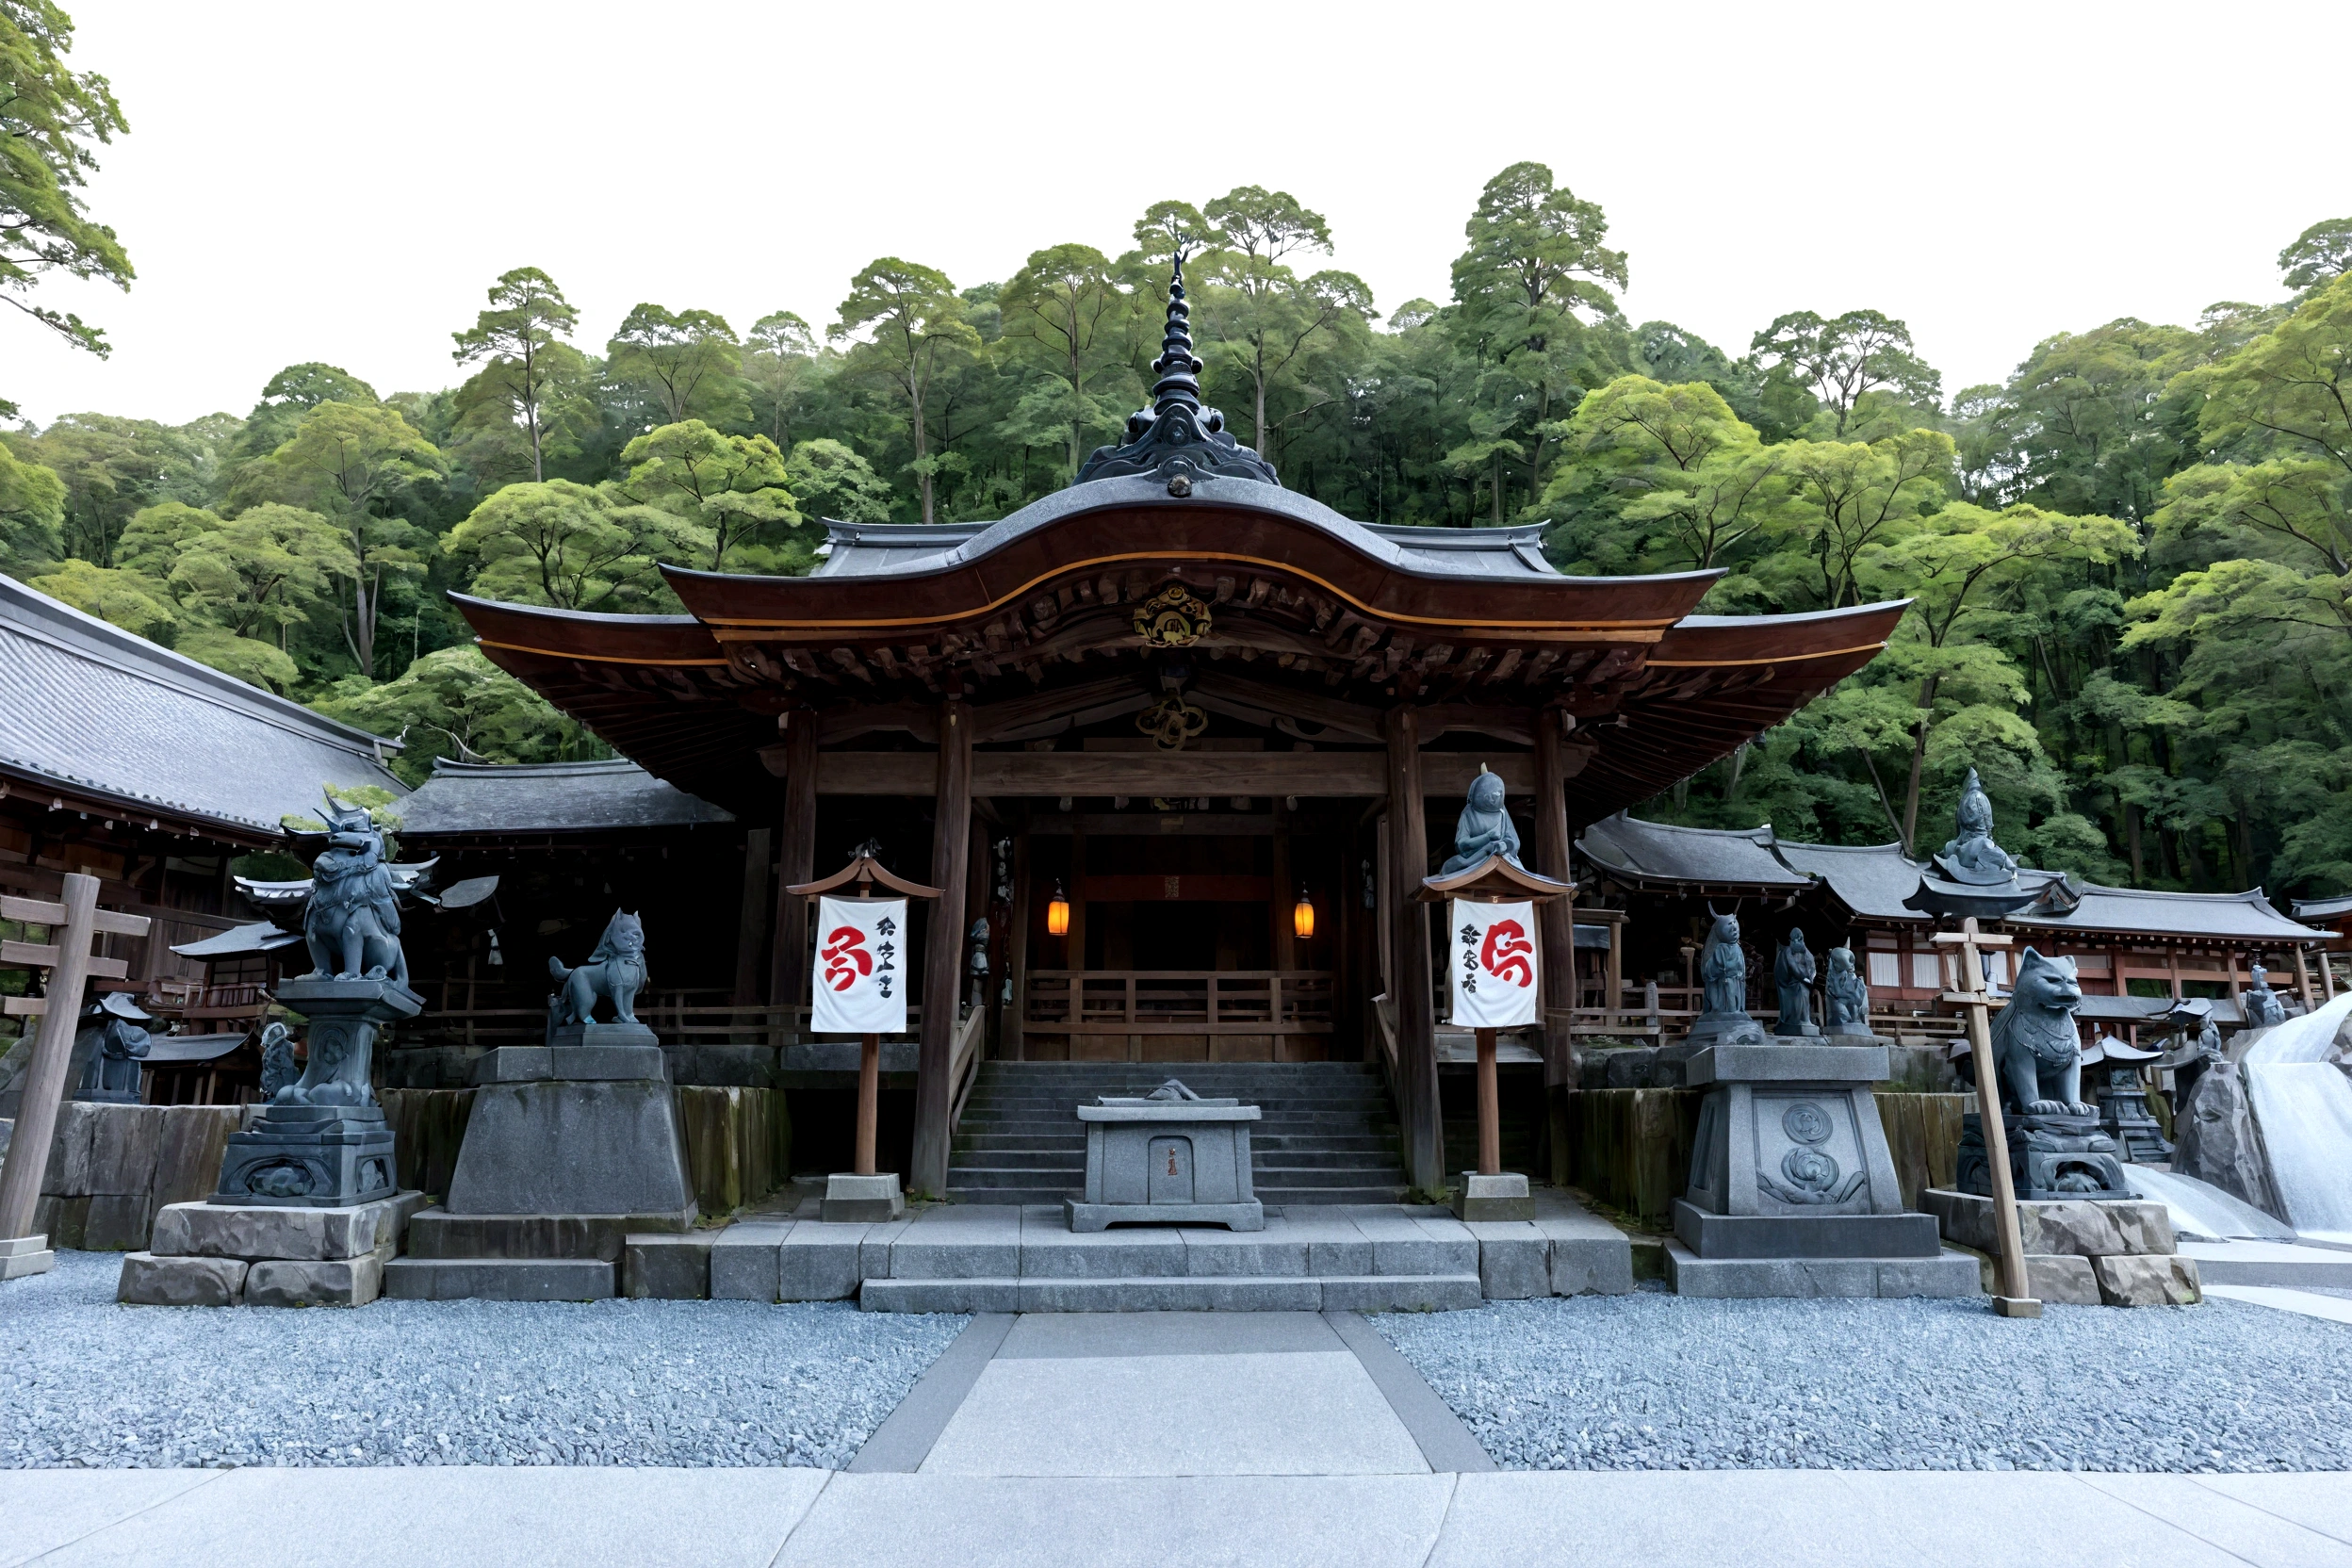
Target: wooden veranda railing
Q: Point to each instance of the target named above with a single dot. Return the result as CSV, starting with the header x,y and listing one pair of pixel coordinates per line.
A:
x,y
1180,1002
679,1017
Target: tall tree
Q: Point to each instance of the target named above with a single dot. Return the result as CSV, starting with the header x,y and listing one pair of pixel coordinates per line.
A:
x,y
573,545
2321,251
1838,360
519,337
1535,266
49,118
907,322
1065,306
687,360
1269,316
780,368
352,462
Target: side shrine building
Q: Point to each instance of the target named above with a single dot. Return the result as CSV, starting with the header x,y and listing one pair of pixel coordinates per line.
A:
x,y
1167,739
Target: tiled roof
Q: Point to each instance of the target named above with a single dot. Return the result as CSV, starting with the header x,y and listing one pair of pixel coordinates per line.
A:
x,y
93,709
1662,852
1874,881
2322,908
547,797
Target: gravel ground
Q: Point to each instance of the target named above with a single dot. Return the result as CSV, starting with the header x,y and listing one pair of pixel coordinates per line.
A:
x,y
84,1382
1660,1382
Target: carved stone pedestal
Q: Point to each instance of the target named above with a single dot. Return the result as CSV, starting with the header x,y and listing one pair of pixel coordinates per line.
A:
x,y
571,1149
862,1199
323,1142
1792,1191
2051,1158
1183,1159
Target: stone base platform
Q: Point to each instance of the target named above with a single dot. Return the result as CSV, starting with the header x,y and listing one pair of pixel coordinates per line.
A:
x,y
499,1279
531,1257
25,1256
2287,1264
212,1255
1501,1198
1318,1257
2079,1253
1948,1274
1753,1237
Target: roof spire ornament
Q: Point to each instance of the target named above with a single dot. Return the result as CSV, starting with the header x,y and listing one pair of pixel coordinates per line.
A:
x,y
1177,438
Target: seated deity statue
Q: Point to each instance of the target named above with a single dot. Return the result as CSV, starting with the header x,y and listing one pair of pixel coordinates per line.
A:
x,y
1972,856
1485,828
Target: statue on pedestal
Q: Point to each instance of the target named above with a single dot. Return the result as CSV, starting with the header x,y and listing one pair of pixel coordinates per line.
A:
x,y
1971,856
321,1141
1845,996
1724,979
1484,827
2263,1010
2056,1150
1793,972
615,970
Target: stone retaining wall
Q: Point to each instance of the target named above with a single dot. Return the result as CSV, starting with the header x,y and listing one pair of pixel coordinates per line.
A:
x,y
1631,1147
111,1168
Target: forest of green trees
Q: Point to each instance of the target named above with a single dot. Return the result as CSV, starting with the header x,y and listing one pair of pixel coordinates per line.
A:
x,y
2130,562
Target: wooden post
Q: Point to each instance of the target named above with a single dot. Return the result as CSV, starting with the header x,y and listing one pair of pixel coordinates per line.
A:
x,y
2303,978
1555,921
869,1102
751,927
1075,945
1615,1001
73,923
1015,1040
1490,1109
797,856
1285,893
1409,982
942,968
2014,1299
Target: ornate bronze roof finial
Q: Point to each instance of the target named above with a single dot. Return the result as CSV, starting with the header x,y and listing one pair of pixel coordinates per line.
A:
x,y
1177,438
1179,372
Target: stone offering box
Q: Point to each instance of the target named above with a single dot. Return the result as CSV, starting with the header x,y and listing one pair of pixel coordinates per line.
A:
x,y
1178,1159
2079,1251
1792,1191
215,1255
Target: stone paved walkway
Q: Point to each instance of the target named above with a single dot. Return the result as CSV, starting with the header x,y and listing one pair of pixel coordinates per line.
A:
x,y
607,1518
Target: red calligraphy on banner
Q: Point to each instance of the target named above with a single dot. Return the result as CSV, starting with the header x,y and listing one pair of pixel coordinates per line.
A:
x,y
1508,955
846,961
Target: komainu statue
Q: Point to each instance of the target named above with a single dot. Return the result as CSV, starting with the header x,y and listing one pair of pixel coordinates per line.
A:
x,y
353,922
615,970
2056,1150
1972,856
2035,1050
2263,1010
1845,996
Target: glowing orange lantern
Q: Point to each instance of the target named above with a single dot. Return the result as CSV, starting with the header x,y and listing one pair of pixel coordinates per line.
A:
x,y
1302,915
1058,913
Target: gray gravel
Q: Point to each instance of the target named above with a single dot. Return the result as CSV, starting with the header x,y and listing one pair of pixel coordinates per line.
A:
x,y
84,1382
1659,1383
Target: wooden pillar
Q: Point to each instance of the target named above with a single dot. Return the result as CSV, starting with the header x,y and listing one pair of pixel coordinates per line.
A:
x,y
1014,1041
1075,945
942,967
751,927
1615,1001
1410,980
1285,893
2303,978
796,857
1557,920
45,1089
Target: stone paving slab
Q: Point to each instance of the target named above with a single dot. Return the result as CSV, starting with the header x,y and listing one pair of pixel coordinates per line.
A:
x,y
1279,1412
2335,1309
459,1517
1166,1333
2269,1263
450,1517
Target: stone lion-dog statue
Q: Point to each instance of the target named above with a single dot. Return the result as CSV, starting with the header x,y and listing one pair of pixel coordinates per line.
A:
x,y
615,970
2035,1051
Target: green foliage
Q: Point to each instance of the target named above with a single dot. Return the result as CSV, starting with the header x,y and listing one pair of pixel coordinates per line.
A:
x,y
531,382
574,547
2319,253
459,697
730,487
32,513
50,117
832,481
687,363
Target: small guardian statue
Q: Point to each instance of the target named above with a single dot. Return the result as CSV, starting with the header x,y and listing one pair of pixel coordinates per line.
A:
x,y
114,1043
2263,1010
353,925
615,971
1724,978
2056,1150
1845,996
1484,827
1972,856
1793,972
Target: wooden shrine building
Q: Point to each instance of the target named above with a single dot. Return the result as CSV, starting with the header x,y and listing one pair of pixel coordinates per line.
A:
x,y
1178,744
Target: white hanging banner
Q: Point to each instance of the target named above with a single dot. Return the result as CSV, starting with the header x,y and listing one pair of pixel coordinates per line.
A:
x,y
861,981
1494,965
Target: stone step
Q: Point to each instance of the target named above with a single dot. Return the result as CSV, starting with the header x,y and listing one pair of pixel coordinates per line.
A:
x,y
1266,1159
1047,1191
499,1279
1179,1293
1024,1121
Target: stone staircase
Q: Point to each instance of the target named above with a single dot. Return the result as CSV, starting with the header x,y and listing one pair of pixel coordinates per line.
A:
x,y
1327,1135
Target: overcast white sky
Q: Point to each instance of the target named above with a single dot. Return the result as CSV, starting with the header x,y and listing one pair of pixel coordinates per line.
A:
x,y
342,183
